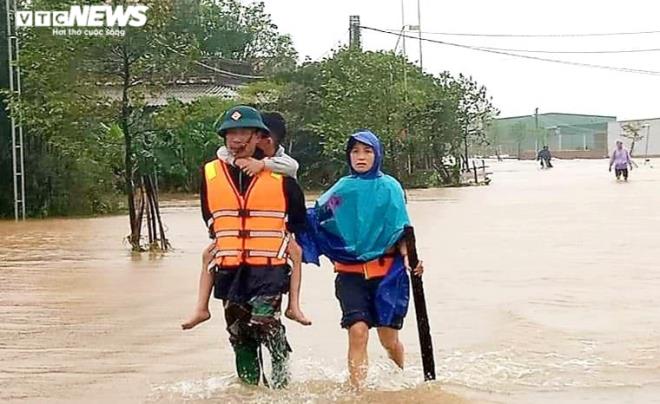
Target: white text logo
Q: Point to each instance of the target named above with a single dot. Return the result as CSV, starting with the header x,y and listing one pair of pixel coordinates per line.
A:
x,y
85,16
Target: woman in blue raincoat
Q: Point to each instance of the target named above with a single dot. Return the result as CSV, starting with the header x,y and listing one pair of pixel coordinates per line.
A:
x,y
358,224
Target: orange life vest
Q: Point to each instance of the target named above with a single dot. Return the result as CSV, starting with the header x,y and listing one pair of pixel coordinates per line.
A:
x,y
372,269
248,229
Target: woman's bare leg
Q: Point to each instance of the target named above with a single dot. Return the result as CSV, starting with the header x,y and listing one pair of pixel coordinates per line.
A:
x,y
389,339
358,337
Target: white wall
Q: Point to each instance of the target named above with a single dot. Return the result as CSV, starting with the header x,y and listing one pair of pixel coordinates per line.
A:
x,y
615,132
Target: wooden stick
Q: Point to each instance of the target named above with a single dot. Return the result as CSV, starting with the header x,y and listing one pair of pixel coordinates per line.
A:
x,y
423,327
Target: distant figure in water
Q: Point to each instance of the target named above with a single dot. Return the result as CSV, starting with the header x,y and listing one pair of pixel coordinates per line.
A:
x,y
621,161
544,157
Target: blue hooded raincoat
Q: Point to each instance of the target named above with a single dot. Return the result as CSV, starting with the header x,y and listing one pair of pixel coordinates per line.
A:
x,y
358,220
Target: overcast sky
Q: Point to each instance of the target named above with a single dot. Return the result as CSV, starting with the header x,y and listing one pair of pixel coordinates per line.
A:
x,y
516,85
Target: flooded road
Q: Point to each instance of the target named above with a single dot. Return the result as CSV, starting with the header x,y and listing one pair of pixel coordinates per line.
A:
x,y
543,287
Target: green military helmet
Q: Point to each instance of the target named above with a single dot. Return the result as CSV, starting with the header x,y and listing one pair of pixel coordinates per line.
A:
x,y
240,116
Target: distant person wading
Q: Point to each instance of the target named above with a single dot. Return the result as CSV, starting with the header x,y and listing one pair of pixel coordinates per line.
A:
x,y
621,161
544,157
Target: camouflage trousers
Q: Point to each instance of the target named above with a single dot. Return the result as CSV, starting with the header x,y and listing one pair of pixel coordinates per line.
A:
x,y
251,325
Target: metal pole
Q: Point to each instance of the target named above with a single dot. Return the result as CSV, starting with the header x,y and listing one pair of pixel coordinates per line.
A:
x,y
20,121
398,39
648,135
354,28
405,55
11,116
405,79
403,26
419,28
536,117
15,116
536,132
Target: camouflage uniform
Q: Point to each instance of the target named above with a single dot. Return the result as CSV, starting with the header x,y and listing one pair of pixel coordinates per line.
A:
x,y
252,324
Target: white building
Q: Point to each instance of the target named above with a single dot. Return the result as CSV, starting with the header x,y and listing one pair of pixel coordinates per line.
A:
x,y
650,143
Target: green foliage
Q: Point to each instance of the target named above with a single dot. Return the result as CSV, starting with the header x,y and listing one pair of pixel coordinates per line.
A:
x,y
632,131
231,30
85,141
86,144
184,137
420,119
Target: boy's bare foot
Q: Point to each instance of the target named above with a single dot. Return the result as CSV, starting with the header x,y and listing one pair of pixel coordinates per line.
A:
x,y
198,317
297,315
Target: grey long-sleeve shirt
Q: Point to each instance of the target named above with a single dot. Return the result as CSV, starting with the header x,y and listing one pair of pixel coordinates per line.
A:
x,y
280,163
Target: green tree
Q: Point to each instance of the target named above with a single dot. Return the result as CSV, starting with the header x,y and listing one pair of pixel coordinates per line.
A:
x,y
421,120
632,131
68,164
76,88
230,30
139,61
184,136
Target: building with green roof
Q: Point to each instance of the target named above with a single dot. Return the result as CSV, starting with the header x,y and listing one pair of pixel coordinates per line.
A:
x,y
567,135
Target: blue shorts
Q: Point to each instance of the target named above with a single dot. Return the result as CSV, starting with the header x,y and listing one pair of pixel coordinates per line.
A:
x,y
357,297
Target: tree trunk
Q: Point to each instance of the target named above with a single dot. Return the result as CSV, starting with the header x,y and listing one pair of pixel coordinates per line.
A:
x,y
164,243
134,237
467,157
150,218
138,219
151,198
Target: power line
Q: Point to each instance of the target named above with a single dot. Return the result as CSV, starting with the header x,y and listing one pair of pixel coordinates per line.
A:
x,y
568,35
225,72
212,68
541,59
574,52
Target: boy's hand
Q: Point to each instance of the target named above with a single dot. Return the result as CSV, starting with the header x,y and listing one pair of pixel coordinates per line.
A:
x,y
251,166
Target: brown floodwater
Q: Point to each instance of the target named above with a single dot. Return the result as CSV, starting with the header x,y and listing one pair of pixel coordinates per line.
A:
x,y
543,287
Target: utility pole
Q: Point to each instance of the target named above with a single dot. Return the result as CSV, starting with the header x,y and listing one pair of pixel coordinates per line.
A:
x,y
405,79
5,123
15,121
536,125
403,27
405,66
354,29
4,71
648,134
419,30
536,117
